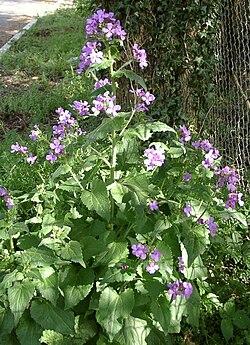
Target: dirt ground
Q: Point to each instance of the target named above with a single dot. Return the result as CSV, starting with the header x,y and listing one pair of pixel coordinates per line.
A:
x,y
15,14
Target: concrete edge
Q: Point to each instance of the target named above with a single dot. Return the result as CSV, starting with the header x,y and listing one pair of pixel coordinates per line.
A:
x,y
20,33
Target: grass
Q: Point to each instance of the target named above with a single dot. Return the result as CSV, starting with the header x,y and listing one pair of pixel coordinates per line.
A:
x,y
37,75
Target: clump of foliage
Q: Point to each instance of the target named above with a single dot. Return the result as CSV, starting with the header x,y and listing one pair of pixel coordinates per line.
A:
x,y
105,234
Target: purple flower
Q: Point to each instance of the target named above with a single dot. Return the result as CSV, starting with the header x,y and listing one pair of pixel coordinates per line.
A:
x,y
51,157
213,228
187,209
8,201
15,147
105,103
156,255
153,205
23,149
152,268
186,134
233,199
101,83
124,267
34,133
3,191
148,98
90,55
140,251
200,220
57,147
187,177
179,288
154,157
65,117
59,130
181,264
81,107
140,56
31,159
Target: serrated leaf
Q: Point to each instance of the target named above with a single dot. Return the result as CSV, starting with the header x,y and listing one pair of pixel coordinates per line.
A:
x,y
227,328
193,308
19,296
92,247
6,321
105,63
138,185
97,199
145,131
28,332
50,337
73,252
114,252
196,270
131,75
52,317
113,307
176,152
61,170
118,191
161,312
241,320
234,214
74,294
85,329
48,287
134,332
41,256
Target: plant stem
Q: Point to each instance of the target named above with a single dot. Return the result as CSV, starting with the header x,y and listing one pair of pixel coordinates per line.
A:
x,y
129,120
76,179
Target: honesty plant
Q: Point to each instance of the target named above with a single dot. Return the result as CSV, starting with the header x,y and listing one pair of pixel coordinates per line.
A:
x,y
108,246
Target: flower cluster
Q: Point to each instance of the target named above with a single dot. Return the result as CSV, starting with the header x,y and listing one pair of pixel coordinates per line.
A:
x,y
101,82
187,209
24,151
213,228
91,54
181,264
145,99
34,133
105,103
141,251
154,157
153,205
186,134
81,107
211,153
179,288
9,202
140,56
104,25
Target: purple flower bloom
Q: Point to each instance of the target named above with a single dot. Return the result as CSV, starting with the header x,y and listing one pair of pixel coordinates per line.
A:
x,y
34,133
152,268
90,55
8,201
200,220
31,159
179,288
59,130
148,98
15,147
186,134
187,177
105,103
81,107
3,191
101,83
156,255
140,251
124,267
57,147
187,209
140,56
233,199
23,149
51,157
181,264
213,228
155,157
153,205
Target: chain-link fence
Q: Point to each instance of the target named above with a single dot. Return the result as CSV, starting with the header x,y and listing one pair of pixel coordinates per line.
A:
x,y
229,119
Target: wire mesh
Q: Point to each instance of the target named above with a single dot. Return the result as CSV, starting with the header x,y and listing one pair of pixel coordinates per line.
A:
x,y
230,116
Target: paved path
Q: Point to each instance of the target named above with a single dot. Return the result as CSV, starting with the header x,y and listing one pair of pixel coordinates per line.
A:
x,y
15,14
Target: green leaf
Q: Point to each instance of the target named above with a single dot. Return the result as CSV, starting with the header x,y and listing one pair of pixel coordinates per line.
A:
x,y
193,308
73,251
97,199
41,256
74,294
177,309
118,191
114,252
134,332
113,307
241,320
92,247
85,329
48,288
145,131
19,296
52,317
18,227
61,170
234,214
131,75
104,64
176,152
196,270
28,332
161,312
227,328
6,321
195,242
50,337
138,185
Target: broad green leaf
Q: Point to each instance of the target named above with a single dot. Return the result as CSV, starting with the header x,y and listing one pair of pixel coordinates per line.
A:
x,y
104,64
138,185
50,337
195,241
18,227
161,226
196,270
48,287
114,252
6,321
134,332
177,309
97,199
234,214
9,279
131,75
227,328
19,296
161,311
176,152
28,331
229,308
92,247
118,191
145,131
74,294
157,337
41,256
73,251
113,307
241,320
61,170
193,308
85,329
52,317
